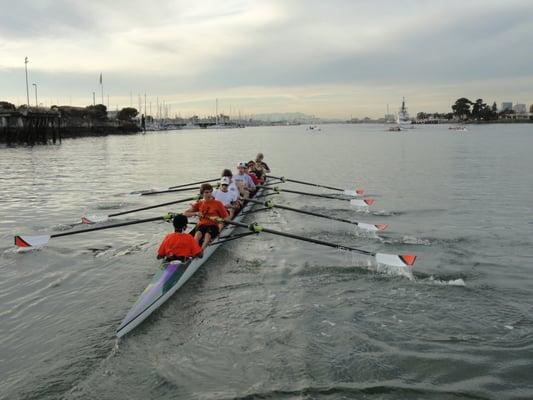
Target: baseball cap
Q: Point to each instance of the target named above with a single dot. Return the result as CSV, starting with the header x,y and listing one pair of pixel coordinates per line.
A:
x,y
224,180
242,164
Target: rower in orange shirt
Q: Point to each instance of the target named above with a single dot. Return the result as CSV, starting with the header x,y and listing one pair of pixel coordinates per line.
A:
x,y
208,209
178,245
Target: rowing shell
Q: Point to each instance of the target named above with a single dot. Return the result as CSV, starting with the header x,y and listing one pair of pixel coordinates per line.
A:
x,y
170,277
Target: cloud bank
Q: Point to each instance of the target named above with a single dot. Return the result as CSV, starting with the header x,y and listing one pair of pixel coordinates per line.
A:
x,y
332,59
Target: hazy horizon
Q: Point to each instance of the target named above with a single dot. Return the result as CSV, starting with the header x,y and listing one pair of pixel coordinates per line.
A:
x,y
338,59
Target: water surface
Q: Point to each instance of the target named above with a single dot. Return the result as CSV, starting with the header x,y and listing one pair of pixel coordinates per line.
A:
x,y
267,317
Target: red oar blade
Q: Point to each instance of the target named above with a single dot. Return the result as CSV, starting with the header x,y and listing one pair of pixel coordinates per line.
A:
x,y
31,241
395,260
361,202
354,193
372,227
94,219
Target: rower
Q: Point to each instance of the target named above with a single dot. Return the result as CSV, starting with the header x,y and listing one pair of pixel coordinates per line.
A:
x,y
253,173
243,180
208,210
232,187
230,199
178,245
260,164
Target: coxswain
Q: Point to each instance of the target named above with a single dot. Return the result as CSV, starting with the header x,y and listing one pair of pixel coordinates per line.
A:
x,y
230,199
210,212
178,245
243,180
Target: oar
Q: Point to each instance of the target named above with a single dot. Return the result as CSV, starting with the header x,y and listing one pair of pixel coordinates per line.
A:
x,y
141,192
169,191
394,260
361,225
41,240
353,202
356,192
93,219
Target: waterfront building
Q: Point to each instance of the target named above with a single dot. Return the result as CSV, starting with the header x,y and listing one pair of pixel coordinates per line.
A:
x,y
520,108
507,106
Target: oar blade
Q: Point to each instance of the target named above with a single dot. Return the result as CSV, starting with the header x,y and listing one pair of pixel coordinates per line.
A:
x,y
152,190
396,260
31,241
361,202
354,193
94,219
372,227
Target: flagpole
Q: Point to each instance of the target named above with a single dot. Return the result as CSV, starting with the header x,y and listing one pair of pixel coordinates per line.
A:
x,y
102,87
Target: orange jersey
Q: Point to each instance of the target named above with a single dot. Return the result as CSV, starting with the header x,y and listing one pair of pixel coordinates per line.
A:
x,y
210,208
179,245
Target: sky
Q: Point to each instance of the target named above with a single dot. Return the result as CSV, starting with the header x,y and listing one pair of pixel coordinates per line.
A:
x,y
331,59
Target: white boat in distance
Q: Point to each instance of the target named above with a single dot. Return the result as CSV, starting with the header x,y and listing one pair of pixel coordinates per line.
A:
x,y
402,119
461,128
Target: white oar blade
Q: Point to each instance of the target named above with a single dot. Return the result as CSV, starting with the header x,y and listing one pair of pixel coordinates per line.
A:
x,y
372,227
396,260
94,219
152,190
31,241
361,202
354,193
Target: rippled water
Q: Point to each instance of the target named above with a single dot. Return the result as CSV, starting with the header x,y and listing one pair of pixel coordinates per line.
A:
x,y
268,317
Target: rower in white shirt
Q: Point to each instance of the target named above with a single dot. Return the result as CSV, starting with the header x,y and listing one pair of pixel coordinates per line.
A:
x,y
230,199
232,187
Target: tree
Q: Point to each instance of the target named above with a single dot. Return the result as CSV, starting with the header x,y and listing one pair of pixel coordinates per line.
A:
x,y
97,112
494,108
127,114
461,108
478,109
531,109
7,106
487,114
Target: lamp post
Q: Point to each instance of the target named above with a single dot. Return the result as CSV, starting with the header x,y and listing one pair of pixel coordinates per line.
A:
x,y
36,103
27,89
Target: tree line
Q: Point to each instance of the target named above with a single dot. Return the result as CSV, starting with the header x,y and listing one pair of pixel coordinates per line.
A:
x,y
96,112
465,109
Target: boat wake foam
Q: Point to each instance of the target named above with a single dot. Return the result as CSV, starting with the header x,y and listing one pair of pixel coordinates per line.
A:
x,y
411,240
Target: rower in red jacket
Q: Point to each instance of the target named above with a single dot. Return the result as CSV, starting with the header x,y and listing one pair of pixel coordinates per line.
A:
x,y
178,245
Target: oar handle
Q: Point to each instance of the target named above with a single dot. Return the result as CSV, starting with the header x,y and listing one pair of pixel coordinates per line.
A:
x,y
255,227
154,206
283,179
169,191
194,183
310,213
310,194
98,228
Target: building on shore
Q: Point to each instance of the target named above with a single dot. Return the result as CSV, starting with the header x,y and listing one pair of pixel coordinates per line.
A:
x,y
507,106
520,108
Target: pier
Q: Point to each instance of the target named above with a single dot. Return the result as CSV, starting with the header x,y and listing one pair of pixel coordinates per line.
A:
x,y
33,126
30,126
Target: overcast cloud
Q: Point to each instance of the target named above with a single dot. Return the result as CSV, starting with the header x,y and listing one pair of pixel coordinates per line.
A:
x,y
328,58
